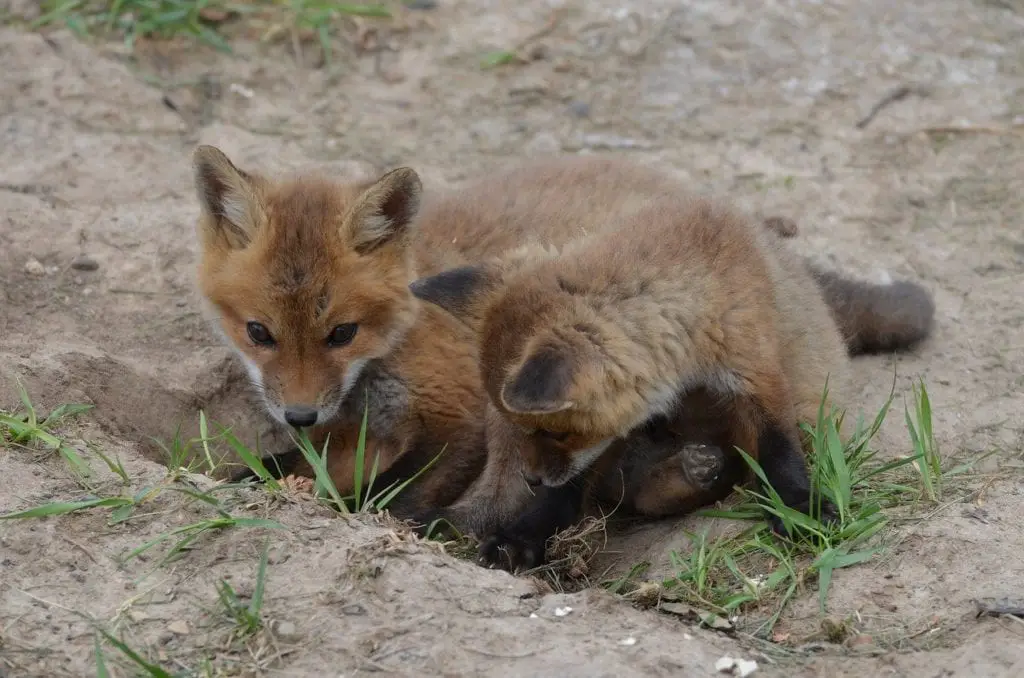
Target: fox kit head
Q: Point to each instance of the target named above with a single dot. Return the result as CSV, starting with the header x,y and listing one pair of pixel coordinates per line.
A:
x,y
307,279
544,363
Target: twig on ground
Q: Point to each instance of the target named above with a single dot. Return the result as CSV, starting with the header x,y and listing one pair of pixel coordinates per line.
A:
x,y
971,129
998,608
898,94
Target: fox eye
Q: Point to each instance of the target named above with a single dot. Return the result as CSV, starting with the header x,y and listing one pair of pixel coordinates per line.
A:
x,y
342,335
259,334
553,435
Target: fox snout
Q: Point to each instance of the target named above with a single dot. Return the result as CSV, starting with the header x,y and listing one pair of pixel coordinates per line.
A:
x,y
301,416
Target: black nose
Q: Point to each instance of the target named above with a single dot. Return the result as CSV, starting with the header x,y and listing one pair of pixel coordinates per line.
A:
x,y
299,416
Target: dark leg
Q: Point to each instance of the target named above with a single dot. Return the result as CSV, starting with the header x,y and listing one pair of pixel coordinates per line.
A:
x,y
522,544
693,477
786,470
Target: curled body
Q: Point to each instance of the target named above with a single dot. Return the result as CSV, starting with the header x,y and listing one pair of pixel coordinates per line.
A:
x,y
583,346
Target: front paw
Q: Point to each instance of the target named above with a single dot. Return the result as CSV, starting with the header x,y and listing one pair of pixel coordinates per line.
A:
x,y
513,551
827,517
703,464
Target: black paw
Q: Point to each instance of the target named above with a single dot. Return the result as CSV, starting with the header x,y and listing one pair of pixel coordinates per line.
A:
x,y
828,516
703,464
514,552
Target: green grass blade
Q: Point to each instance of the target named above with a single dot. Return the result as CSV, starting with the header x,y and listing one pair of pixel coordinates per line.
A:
x,y
256,603
204,438
101,664
318,461
62,412
30,411
250,459
378,11
61,508
152,669
381,503
357,479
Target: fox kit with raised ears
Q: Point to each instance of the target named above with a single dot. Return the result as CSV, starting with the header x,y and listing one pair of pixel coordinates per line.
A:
x,y
307,279
582,347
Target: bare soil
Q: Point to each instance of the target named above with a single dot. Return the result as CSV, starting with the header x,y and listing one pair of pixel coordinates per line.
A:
x,y
757,100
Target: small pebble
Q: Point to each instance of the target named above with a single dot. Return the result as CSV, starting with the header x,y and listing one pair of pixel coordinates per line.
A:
x,y
562,611
83,262
286,630
544,143
33,267
737,667
628,641
744,667
725,664
241,90
861,640
581,109
178,628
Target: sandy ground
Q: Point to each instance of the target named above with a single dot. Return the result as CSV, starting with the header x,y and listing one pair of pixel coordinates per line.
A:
x,y
760,100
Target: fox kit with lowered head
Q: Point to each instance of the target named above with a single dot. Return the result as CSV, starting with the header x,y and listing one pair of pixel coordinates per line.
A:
x,y
581,347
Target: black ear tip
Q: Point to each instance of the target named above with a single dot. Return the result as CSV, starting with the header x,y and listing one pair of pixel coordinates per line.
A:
x,y
418,287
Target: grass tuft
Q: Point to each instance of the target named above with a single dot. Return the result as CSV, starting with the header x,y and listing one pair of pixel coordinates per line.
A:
x,y
204,20
362,499
26,429
716,575
926,453
134,19
248,618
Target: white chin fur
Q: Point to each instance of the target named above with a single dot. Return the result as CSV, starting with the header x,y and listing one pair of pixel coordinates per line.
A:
x,y
355,368
328,412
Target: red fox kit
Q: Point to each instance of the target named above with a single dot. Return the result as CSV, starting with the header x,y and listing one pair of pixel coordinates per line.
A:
x,y
581,347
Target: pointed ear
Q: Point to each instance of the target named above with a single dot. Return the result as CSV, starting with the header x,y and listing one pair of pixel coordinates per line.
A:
x,y
228,195
542,383
385,210
458,290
